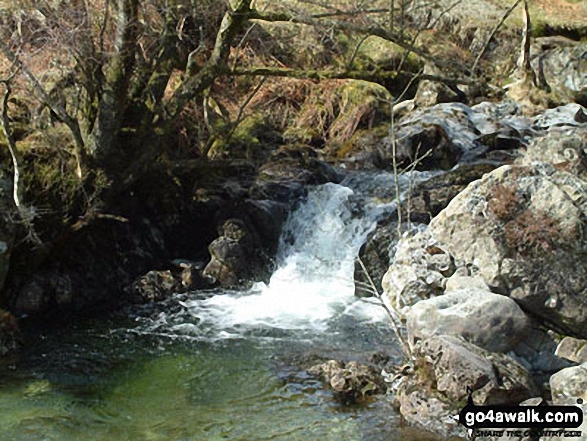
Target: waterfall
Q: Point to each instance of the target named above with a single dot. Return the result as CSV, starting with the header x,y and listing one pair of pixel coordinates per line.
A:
x,y
313,284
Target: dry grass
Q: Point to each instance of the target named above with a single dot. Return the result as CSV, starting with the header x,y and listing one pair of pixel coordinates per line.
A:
x,y
530,233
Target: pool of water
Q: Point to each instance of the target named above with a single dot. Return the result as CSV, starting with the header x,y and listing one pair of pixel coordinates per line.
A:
x,y
112,379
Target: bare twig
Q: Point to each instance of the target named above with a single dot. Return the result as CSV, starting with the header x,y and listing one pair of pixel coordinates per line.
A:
x,y
392,314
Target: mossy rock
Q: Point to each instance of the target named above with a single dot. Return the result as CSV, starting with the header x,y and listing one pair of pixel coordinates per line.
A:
x,y
380,53
331,114
253,138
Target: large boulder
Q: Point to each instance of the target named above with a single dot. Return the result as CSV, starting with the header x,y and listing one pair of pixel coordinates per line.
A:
x,y
491,321
569,387
522,227
234,258
572,349
561,67
448,370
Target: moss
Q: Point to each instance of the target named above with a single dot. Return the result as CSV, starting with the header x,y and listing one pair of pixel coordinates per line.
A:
x,y
376,52
250,139
362,139
334,110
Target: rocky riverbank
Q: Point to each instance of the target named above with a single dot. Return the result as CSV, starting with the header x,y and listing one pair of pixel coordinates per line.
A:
x,y
493,290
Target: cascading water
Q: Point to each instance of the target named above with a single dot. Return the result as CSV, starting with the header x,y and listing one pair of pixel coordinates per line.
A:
x,y
314,279
313,285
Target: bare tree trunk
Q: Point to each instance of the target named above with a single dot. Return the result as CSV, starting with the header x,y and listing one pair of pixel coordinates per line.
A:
x,y
11,144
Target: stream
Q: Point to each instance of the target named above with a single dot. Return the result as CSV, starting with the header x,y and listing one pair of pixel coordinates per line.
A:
x,y
213,365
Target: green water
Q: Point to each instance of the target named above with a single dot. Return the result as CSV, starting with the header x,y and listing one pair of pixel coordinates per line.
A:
x,y
97,381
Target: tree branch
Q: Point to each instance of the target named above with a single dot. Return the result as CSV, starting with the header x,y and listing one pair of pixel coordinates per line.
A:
x,y
194,85
55,105
347,26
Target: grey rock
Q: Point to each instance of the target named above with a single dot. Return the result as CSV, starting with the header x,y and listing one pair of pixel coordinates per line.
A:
x,y
561,67
567,386
352,381
456,368
568,115
564,148
572,349
521,227
418,271
432,413
491,321
447,367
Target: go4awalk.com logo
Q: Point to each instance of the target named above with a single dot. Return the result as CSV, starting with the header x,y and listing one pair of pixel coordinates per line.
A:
x,y
522,420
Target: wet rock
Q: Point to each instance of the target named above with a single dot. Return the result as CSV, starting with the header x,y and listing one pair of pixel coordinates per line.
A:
x,y
232,255
459,366
34,297
9,333
431,413
491,321
572,349
153,286
447,369
6,228
285,176
352,381
375,255
520,226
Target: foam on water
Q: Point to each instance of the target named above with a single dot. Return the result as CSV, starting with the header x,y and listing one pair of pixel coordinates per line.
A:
x,y
313,285
314,280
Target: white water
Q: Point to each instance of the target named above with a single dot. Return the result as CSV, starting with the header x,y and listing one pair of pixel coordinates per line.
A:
x,y
314,283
